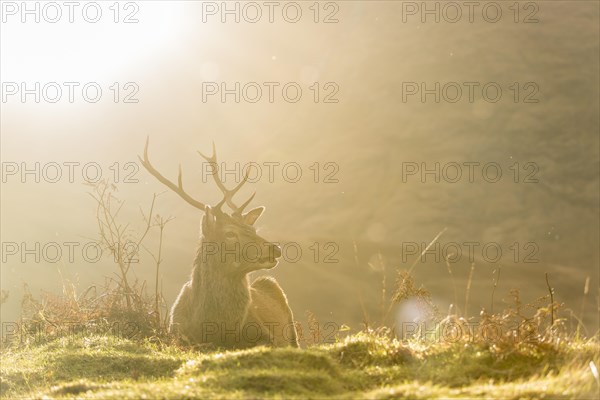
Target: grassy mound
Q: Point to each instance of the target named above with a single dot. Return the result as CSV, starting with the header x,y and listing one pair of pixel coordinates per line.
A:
x,y
360,366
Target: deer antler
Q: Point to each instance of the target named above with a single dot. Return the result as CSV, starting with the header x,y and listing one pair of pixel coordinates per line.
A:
x,y
238,211
176,188
227,193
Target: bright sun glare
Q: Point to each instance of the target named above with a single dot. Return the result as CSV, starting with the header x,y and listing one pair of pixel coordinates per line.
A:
x,y
83,50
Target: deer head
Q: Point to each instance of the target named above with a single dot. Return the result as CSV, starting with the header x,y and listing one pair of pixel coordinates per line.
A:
x,y
229,241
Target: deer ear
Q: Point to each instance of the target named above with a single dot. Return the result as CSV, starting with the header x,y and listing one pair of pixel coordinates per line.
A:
x,y
251,216
208,221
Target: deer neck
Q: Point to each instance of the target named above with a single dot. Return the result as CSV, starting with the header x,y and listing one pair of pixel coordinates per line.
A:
x,y
219,297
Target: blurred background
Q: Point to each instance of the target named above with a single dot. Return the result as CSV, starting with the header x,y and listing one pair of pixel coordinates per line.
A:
x,y
362,142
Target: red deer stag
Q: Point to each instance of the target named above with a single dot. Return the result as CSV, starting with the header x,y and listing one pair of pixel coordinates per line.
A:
x,y
218,304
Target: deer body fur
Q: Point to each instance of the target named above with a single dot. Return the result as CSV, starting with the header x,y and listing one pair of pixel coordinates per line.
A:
x,y
211,309
256,315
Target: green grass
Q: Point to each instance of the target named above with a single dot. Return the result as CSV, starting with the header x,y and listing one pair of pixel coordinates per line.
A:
x,y
360,366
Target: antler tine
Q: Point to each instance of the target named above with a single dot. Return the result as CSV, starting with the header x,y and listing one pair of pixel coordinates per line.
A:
x,y
227,193
238,187
212,159
176,188
220,204
240,209
180,178
230,193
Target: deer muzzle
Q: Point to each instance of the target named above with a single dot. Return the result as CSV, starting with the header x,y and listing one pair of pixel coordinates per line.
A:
x,y
268,256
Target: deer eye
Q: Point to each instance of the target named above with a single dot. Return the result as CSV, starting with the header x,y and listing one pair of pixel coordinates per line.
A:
x,y
230,235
